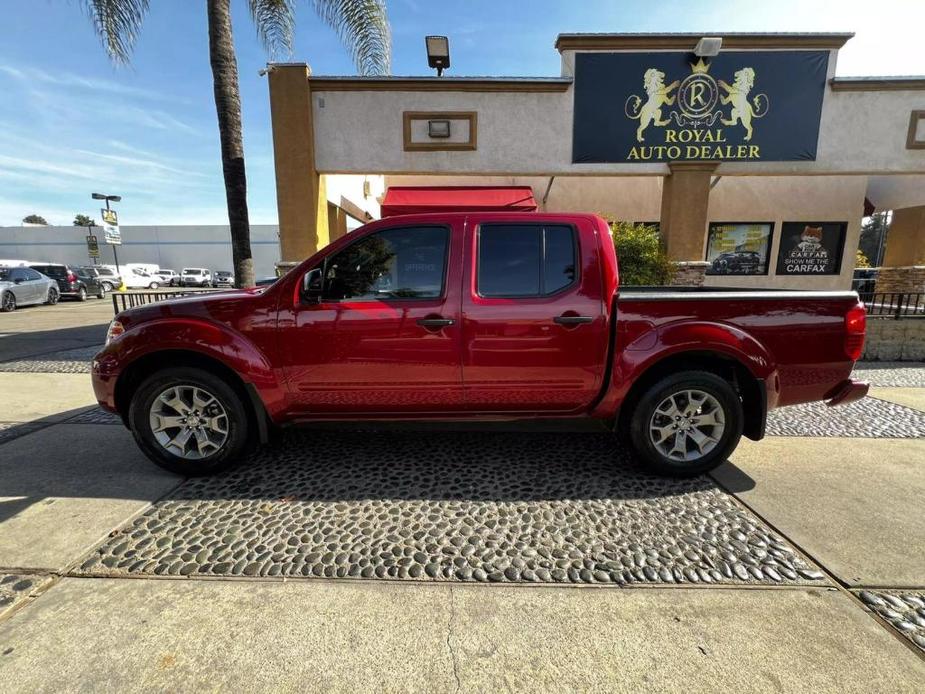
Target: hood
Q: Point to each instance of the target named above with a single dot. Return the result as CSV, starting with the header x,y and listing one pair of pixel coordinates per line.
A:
x,y
4,284
223,307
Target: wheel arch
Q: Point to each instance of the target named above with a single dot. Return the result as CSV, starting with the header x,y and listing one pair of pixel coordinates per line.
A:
x,y
750,387
138,370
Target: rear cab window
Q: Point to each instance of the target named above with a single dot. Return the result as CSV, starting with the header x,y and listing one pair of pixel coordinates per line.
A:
x,y
525,260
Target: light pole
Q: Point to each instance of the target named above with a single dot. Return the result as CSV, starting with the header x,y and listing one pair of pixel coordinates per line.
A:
x,y
107,198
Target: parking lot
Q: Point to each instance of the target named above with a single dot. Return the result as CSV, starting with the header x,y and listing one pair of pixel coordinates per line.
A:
x,y
444,558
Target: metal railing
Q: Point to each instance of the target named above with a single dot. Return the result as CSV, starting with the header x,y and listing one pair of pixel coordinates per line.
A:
x,y
894,304
130,299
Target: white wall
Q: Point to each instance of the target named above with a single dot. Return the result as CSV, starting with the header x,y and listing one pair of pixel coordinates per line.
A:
x,y
172,247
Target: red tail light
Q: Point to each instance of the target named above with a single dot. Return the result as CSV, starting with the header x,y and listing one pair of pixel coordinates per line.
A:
x,y
855,326
71,277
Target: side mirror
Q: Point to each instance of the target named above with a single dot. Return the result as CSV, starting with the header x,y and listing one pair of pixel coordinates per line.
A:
x,y
312,285
18,280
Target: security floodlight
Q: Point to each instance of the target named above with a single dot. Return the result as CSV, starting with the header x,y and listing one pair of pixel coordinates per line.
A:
x,y
438,53
707,47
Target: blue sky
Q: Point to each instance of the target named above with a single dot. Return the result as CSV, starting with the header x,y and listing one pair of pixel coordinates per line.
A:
x,y
71,123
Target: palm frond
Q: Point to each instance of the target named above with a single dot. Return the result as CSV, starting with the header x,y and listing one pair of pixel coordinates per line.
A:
x,y
274,20
117,23
363,28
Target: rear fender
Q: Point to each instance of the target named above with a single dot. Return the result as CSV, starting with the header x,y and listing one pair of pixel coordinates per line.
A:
x,y
700,339
204,338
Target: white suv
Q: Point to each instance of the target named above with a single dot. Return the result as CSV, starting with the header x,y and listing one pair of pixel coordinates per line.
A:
x,y
196,277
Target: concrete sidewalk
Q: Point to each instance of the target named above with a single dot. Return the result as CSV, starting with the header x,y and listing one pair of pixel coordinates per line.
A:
x,y
157,635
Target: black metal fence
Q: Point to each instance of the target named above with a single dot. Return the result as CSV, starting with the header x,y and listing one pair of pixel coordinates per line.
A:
x,y
894,304
131,299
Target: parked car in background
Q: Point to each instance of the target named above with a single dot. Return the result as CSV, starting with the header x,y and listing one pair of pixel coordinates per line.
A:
x,y
475,316
72,280
223,278
196,277
109,278
23,286
148,268
737,263
171,278
6,262
136,278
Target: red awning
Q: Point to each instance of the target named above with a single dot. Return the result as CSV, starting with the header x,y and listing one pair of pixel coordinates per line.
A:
x,y
415,199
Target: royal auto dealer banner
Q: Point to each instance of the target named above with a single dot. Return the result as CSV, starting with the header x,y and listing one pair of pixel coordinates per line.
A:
x,y
673,106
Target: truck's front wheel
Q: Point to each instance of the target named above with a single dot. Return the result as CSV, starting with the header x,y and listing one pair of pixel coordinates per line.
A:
x,y
189,421
687,423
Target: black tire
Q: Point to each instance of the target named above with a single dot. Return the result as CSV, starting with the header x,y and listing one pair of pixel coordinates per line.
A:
x,y
9,302
154,285
645,409
102,294
107,286
82,294
222,459
52,297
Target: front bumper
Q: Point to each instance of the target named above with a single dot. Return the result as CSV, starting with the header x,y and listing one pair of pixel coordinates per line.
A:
x,y
847,391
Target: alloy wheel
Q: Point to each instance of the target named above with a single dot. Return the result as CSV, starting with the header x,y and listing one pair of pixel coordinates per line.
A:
x,y
9,302
189,422
687,425
53,296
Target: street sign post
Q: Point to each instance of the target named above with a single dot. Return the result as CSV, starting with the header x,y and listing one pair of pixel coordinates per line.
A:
x,y
93,247
111,227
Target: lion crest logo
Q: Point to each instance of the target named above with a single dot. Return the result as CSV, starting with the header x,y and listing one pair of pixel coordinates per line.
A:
x,y
697,100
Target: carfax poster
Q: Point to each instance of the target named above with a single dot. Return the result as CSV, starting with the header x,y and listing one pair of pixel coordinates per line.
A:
x,y
811,248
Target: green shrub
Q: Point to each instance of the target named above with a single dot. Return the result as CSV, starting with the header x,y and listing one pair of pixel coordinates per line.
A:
x,y
641,258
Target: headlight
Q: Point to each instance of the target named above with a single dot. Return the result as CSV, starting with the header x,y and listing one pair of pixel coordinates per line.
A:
x,y
115,329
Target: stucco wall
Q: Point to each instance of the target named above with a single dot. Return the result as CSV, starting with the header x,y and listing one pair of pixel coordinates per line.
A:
x,y
531,133
792,199
173,247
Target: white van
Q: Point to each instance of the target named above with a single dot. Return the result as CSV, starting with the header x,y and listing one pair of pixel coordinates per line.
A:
x,y
4,262
136,278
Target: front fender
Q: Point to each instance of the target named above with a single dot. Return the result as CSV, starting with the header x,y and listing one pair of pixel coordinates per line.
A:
x,y
698,338
205,338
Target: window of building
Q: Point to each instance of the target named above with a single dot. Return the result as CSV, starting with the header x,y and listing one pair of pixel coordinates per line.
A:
x,y
406,263
522,260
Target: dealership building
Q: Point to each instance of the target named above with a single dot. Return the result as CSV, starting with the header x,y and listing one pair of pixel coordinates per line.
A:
x,y
755,161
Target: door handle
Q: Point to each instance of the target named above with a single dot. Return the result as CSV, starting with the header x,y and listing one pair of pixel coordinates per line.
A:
x,y
431,323
572,320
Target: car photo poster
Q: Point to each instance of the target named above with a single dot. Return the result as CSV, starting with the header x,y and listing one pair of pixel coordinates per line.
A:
x,y
743,106
738,248
811,248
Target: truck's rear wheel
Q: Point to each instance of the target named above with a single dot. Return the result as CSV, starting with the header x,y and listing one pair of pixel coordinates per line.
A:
x,y
687,423
189,421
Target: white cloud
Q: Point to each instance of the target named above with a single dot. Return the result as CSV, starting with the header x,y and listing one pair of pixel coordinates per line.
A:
x,y
33,75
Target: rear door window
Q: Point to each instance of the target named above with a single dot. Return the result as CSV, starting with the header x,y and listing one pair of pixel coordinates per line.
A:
x,y
525,260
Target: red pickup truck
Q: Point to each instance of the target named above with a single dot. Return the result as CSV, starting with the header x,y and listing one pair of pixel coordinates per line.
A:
x,y
475,316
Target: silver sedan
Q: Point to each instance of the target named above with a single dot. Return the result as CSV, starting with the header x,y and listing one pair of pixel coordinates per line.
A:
x,y
22,286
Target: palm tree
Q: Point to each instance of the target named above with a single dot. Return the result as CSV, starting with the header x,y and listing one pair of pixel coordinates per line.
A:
x,y
362,26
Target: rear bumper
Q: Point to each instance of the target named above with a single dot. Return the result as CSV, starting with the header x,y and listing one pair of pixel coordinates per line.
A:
x,y
847,391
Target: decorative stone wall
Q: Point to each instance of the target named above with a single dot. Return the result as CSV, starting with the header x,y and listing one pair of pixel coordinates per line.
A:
x,y
689,273
895,340
910,278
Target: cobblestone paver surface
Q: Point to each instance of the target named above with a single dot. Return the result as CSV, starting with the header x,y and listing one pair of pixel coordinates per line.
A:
x,y
865,418
70,361
903,610
458,507
888,374
14,588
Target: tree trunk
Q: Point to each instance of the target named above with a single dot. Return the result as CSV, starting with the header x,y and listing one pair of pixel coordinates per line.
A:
x,y
228,108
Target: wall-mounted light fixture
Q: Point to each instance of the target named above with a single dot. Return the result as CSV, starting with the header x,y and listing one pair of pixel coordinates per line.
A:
x,y
438,128
707,47
438,53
